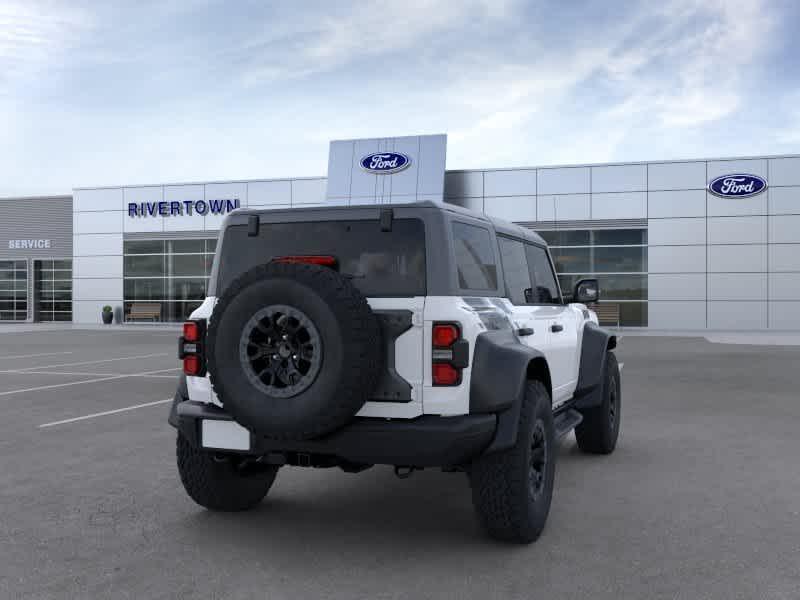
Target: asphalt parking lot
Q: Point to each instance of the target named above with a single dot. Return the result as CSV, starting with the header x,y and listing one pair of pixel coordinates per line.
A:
x,y
700,500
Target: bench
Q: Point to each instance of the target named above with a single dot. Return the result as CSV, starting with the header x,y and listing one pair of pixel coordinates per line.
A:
x,y
607,313
144,311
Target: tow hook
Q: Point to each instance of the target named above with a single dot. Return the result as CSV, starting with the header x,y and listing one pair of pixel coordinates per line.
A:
x,y
403,472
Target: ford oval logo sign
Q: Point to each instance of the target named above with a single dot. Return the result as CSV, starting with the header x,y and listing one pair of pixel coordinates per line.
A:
x,y
739,185
385,163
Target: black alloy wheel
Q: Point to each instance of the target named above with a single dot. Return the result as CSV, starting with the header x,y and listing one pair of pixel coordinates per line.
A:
x,y
281,350
538,461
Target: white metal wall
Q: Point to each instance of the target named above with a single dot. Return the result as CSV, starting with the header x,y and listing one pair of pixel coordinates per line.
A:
x,y
713,263
101,220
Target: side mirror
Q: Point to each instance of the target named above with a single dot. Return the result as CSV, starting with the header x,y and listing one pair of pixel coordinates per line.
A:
x,y
586,291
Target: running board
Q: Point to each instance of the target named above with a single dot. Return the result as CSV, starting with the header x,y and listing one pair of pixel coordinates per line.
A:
x,y
566,421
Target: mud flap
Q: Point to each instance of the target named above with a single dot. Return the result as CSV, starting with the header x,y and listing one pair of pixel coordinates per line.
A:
x,y
181,394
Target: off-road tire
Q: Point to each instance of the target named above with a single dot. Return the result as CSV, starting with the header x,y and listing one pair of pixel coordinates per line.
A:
x,y
221,483
501,481
599,430
350,341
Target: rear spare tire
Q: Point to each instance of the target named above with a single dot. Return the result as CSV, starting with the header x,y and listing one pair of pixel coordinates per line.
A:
x,y
293,350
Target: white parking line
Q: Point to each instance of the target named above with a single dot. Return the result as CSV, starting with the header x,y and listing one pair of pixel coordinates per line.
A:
x,y
94,362
59,385
71,383
85,374
33,355
104,413
162,371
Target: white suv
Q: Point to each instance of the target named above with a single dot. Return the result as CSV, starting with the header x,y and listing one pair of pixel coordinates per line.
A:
x,y
416,335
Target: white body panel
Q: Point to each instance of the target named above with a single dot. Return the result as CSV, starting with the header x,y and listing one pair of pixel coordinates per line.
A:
x,y
414,348
408,360
449,400
561,348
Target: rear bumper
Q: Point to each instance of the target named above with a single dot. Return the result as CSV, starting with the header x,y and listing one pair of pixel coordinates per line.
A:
x,y
426,441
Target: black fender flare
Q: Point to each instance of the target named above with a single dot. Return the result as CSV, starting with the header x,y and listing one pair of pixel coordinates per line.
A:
x,y
596,342
501,368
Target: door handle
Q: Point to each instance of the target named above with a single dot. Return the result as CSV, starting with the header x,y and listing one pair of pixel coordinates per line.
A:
x,y
556,327
524,331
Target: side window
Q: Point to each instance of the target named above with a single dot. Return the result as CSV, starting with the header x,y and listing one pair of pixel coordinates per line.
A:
x,y
545,289
474,257
515,269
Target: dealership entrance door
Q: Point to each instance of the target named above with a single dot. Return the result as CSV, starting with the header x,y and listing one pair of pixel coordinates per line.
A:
x,y
13,290
52,290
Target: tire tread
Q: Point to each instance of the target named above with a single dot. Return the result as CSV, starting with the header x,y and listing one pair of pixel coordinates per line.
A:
x,y
500,479
593,433
216,485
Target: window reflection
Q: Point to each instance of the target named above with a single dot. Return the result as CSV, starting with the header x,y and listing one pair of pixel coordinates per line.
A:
x,y
617,258
172,274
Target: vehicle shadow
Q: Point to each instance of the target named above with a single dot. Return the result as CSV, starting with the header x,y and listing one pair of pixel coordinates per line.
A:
x,y
332,512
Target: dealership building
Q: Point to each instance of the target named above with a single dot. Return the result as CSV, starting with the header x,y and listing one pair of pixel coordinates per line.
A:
x,y
692,244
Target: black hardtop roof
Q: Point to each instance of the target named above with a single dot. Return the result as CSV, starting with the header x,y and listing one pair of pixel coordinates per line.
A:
x,y
499,225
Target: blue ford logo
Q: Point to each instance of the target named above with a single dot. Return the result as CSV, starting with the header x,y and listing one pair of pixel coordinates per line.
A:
x,y
385,163
739,185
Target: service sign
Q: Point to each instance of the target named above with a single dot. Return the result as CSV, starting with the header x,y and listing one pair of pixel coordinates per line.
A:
x,y
29,244
739,185
385,163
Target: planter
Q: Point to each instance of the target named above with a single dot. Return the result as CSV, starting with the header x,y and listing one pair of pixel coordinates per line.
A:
x,y
108,317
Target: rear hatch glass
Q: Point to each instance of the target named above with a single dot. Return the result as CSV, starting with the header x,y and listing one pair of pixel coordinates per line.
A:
x,y
379,263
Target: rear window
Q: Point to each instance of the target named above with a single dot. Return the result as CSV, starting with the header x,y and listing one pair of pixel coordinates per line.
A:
x,y
379,263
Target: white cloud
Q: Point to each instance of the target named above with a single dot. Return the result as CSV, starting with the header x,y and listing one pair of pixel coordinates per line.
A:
x,y
294,48
788,132
683,67
33,35
710,77
173,91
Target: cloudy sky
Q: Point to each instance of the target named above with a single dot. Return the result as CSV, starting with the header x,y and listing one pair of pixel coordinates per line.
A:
x,y
101,93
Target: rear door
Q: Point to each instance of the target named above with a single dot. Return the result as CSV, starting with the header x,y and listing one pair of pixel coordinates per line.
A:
x,y
387,266
557,319
518,288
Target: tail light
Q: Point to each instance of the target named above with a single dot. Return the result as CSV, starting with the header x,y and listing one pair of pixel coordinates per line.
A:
x,y
192,365
450,354
191,331
322,260
446,374
445,334
191,348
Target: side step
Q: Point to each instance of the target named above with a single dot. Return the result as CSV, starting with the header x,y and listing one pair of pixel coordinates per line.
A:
x,y
566,421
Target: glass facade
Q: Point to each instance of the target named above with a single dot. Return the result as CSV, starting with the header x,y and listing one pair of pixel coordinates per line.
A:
x,y
53,288
172,274
13,290
617,258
